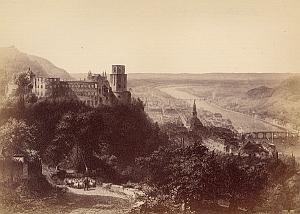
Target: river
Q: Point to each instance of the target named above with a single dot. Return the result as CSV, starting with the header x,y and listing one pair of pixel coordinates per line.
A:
x,y
239,120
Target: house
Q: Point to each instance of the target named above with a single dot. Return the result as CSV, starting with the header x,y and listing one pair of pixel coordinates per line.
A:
x,y
252,148
19,167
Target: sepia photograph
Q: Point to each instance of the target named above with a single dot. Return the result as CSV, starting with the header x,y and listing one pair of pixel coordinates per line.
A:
x,y
149,106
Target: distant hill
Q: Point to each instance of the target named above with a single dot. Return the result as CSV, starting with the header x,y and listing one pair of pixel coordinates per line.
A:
x,y
209,76
260,92
289,89
13,61
252,80
78,76
283,101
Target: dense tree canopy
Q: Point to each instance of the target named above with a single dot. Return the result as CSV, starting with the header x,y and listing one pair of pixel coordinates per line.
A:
x,y
22,80
197,176
68,129
123,144
16,137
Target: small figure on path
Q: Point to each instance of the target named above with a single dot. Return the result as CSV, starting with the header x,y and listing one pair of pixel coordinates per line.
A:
x,y
86,183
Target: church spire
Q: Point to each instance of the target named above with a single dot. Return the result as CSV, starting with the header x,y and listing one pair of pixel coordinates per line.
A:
x,y
194,109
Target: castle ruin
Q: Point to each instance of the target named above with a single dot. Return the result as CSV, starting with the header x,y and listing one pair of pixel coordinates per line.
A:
x,y
94,90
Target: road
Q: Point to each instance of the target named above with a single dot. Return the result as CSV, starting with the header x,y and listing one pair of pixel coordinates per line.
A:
x,y
239,120
76,203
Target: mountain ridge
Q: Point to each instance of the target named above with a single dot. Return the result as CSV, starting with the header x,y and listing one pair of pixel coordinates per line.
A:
x,y
13,61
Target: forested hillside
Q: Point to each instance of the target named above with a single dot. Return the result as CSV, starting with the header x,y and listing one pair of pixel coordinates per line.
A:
x,y
13,61
282,101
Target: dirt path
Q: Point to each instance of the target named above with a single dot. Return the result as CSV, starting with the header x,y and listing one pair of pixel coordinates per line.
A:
x,y
70,203
77,201
123,205
99,191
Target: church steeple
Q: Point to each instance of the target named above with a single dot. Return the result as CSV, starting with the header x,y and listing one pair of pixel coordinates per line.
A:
x,y
195,122
194,109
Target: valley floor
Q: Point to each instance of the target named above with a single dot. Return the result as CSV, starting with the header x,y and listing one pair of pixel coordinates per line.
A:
x,y
240,121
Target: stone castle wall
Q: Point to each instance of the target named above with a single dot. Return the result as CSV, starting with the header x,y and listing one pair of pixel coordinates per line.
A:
x,y
95,90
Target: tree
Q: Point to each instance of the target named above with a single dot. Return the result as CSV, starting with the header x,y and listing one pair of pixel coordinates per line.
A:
x,y
47,114
18,137
178,135
31,98
245,180
83,134
197,176
24,86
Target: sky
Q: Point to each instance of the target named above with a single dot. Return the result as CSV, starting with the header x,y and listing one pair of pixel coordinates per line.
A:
x,y
157,36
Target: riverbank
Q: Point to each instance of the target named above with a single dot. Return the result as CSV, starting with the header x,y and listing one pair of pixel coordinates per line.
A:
x,y
239,121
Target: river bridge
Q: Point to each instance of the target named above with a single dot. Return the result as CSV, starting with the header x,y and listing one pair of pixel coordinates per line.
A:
x,y
273,136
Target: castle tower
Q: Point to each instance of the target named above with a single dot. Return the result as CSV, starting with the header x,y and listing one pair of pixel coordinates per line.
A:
x,y
90,75
118,78
118,84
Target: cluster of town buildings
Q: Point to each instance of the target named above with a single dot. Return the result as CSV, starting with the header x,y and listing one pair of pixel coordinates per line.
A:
x,y
94,90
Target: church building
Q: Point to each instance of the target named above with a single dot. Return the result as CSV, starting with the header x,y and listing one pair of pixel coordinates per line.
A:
x,y
195,122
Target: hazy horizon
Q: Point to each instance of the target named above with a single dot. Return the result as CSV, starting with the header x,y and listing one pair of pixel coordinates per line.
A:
x,y
171,36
